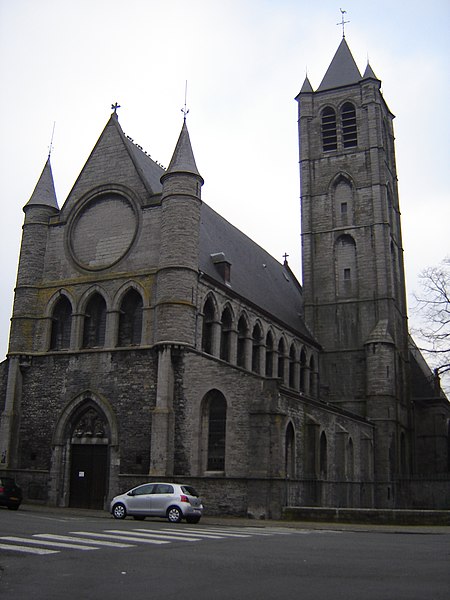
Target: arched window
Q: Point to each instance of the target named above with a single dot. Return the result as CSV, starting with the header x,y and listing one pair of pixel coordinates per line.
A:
x,y
281,359
289,460
216,416
208,322
348,120
269,354
329,135
95,322
292,365
242,342
130,319
323,459
225,334
303,370
61,325
256,348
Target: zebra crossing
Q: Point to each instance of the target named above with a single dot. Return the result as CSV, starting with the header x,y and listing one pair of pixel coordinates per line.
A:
x,y
50,543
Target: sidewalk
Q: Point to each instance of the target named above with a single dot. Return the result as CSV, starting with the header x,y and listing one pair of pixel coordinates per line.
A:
x,y
229,521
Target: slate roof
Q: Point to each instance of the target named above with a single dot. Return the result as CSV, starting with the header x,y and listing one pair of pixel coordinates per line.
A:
x,y
150,171
255,275
342,70
183,160
44,193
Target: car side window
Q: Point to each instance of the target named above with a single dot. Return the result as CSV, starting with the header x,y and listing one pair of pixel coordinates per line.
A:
x,y
143,489
163,488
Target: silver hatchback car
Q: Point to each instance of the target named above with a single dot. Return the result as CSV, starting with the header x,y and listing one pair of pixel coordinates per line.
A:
x,y
172,500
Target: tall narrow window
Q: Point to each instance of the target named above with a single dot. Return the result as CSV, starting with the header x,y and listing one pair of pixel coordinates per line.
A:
x,y
130,319
292,366
323,460
269,354
303,370
350,460
346,266
329,135
312,377
290,452
217,421
208,322
95,323
242,342
256,348
348,119
225,334
281,359
61,325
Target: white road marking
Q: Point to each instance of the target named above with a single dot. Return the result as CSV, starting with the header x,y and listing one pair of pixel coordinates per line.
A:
x,y
45,543
222,532
155,533
70,538
27,549
126,536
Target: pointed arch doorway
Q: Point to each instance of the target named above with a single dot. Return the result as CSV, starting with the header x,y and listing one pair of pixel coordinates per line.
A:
x,y
89,444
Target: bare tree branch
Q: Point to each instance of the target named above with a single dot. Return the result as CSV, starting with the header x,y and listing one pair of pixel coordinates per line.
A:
x,y
432,305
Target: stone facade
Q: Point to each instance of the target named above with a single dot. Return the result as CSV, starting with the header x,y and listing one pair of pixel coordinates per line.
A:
x,y
150,339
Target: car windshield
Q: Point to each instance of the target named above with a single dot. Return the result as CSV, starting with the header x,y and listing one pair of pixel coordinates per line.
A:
x,y
188,489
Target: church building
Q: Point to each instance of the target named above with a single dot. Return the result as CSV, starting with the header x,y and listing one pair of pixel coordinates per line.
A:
x,y
151,340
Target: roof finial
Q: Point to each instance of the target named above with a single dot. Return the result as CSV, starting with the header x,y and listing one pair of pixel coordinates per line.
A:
x,y
342,23
50,148
185,110
114,107
285,256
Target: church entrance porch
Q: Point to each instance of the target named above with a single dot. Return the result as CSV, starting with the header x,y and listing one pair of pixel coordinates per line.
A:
x,y
88,474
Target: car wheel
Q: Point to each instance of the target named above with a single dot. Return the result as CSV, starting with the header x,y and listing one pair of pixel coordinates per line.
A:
x,y
174,514
13,506
119,511
139,517
192,520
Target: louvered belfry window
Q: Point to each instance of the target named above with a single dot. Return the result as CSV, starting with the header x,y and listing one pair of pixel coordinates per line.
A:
x,y
329,135
348,118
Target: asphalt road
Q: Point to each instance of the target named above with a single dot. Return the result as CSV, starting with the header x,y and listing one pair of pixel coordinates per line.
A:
x,y
84,555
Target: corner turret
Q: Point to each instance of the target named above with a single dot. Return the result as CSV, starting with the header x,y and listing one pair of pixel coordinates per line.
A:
x,y
179,249
39,209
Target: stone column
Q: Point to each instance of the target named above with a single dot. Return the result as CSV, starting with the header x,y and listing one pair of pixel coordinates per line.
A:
x,y
162,441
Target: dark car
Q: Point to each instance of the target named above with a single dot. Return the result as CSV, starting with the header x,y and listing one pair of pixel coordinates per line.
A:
x,y
10,493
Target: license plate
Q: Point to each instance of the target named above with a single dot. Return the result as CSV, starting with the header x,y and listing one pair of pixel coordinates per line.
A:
x,y
13,498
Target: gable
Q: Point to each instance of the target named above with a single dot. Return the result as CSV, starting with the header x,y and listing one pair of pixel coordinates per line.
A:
x,y
116,160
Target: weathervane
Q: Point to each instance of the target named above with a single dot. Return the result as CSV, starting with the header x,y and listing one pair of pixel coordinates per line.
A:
x,y
185,110
114,107
342,22
50,148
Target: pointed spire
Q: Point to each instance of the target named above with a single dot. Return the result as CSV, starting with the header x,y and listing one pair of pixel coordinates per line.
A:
x,y
306,87
342,70
44,193
368,73
183,160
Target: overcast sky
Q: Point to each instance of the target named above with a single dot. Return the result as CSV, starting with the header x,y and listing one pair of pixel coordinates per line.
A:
x,y
66,62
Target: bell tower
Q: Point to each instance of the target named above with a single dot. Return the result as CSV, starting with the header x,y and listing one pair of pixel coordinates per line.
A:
x,y
352,256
